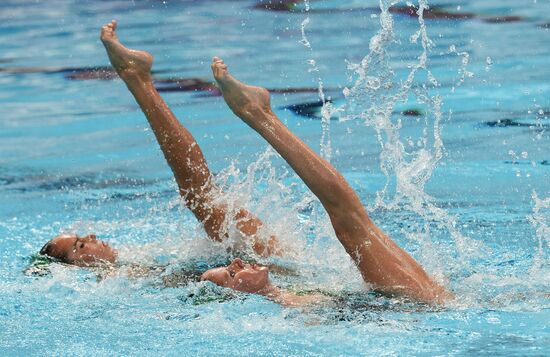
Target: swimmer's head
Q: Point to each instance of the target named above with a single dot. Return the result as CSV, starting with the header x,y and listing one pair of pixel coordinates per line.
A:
x,y
241,276
81,251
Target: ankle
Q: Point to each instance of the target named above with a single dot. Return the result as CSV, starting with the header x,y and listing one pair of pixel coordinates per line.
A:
x,y
132,77
255,112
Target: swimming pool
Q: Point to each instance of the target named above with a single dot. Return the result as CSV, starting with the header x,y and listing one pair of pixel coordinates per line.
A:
x,y
76,154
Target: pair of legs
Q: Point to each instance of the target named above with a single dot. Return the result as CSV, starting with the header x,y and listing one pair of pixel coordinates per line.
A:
x,y
381,262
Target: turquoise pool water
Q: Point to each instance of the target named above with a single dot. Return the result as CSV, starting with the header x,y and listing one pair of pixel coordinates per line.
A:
x,y
77,155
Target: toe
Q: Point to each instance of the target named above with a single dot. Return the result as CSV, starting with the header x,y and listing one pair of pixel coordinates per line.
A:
x,y
114,24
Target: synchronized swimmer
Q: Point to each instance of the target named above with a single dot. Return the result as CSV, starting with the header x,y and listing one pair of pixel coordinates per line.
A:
x,y
381,262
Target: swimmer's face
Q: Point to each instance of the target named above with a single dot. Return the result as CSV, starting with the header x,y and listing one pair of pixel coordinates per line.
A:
x,y
81,251
238,275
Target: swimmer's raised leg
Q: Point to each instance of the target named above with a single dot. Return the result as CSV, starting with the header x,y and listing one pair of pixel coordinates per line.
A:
x,y
178,145
379,259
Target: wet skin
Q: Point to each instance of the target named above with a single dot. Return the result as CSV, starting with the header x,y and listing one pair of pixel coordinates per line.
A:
x,y
252,278
241,276
379,259
82,251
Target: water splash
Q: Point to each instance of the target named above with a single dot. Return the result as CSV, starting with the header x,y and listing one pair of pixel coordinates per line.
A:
x,y
327,110
288,212
321,227
463,70
261,190
372,99
540,221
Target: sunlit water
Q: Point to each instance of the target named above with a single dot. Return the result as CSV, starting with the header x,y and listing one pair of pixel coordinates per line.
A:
x,y
464,186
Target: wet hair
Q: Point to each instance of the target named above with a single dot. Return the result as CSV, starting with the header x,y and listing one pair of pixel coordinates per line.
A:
x,y
50,250
207,292
39,265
